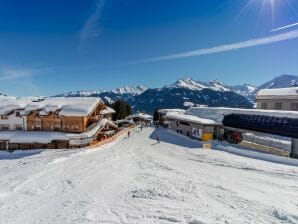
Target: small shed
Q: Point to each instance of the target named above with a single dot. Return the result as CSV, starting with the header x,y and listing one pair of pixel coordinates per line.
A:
x,y
191,126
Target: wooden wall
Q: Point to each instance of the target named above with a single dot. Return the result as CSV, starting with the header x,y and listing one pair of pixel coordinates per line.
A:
x,y
54,122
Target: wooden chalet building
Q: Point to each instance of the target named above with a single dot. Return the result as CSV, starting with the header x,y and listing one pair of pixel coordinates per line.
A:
x,y
73,115
56,122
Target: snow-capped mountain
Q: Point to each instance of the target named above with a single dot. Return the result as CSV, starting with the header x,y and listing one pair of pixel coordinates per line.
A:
x,y
187,92
191,84
246,90
81,93
125,90
281,81
137,90
181,94
184,97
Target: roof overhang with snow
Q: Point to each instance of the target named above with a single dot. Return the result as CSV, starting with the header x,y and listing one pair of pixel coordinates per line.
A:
x,y
189,118
165,111
107,110
141,116
217,113
281,93
66,106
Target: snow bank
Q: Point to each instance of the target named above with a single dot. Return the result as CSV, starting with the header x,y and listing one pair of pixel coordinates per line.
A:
x,y
242,151
282,143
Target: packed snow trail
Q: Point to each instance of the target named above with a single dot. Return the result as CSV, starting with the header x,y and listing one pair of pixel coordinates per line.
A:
x,y
137,180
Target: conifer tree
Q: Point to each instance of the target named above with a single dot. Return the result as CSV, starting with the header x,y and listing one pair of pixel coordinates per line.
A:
x,y
156,115
122,109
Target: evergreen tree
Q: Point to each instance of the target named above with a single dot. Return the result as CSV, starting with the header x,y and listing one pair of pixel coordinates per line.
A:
x,y
156,115
128,108
122,109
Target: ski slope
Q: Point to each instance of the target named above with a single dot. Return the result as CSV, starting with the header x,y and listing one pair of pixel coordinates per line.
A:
x,y
137,180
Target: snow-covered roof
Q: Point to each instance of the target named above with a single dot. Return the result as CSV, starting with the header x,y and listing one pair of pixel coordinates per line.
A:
x,y
281,92
141,116
189,118
165,111
67,106
9,104
45,137
123,121
217,113
107,110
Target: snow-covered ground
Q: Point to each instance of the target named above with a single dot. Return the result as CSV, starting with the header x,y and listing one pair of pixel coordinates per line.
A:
x,y
137,180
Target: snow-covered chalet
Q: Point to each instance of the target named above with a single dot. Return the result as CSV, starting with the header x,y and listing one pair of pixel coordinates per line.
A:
x,y
58,122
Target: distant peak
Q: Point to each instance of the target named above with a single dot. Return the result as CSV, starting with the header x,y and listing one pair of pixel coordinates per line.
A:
x,y
126,89
189,83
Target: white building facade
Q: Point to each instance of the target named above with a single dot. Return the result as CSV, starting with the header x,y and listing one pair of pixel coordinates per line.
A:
x,y
278,99
13,121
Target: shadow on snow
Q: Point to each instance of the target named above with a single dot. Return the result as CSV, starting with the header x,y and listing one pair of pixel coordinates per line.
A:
x,y
19,154
169,136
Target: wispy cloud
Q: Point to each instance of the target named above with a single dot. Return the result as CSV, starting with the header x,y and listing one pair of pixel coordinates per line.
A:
x,y
21,78
284,27
10,73
91,28
228,47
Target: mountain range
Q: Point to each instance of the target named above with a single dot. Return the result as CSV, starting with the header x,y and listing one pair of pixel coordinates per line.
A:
x,y
186,92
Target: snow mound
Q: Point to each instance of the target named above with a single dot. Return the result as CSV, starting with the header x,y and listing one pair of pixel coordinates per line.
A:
x,y
293,219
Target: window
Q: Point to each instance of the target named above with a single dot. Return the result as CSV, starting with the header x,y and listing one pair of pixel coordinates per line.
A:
x,y
294,106
18,127
4,127
278,106
37,128
57,128
264,105
4,117
18,114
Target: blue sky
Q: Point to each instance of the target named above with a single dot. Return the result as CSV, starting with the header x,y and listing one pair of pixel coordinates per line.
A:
x,y
50,47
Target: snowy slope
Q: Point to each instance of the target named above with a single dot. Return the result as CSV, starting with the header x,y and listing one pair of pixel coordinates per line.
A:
x,y
136,180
